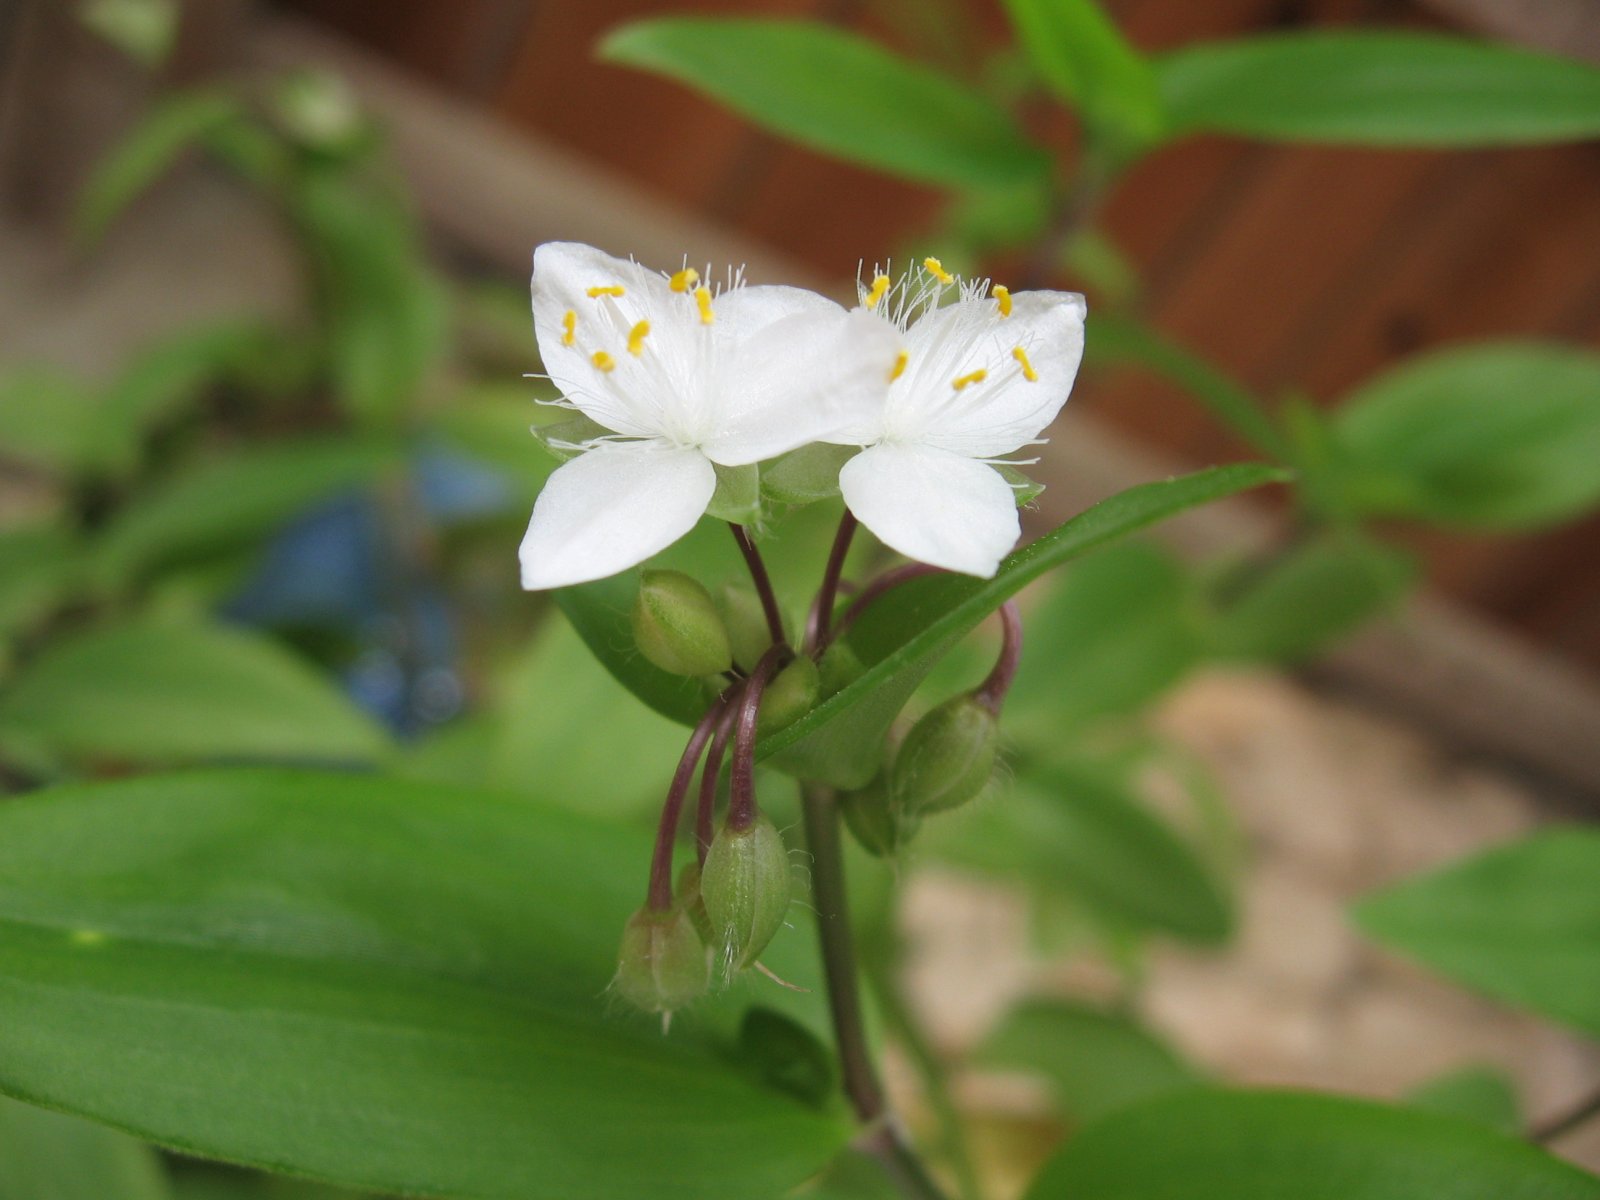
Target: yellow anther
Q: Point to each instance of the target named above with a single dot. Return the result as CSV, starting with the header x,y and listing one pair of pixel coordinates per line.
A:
x,y
1028,372
880,286
636,337
702,297
900,361
612,290
569,327
604,361
683,280
936,268
961,381
1002,294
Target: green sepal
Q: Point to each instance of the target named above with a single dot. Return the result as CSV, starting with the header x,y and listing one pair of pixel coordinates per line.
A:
x,y
745,885
806,475
677,627
563,440
737,499
792,693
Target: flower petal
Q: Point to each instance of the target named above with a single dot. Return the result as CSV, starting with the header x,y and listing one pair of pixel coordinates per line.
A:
x,y
800,379
612,507
933,506
998,406
571,326
742,311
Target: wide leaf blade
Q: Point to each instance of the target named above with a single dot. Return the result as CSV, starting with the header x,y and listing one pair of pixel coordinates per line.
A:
x,y
49,1156
1276,1145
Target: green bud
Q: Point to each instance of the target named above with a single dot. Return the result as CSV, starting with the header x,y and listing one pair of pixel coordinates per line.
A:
x,y
662,965
745,884
687,893
840,667
677,625
790,696
746,624
947,757
878,823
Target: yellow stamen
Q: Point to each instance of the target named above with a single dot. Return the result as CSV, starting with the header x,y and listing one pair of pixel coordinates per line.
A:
x,y
604,361
880,286
935,268
569,327
636,337
683,280
900,361
961,381
702,297
613,290
1003,295
1028,372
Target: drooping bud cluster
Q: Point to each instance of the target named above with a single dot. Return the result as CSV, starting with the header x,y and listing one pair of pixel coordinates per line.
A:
x,y
662,964
745,886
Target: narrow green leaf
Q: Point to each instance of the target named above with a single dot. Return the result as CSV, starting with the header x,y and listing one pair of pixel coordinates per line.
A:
x,y
172,127
1317,592
1089,64
837,93
1095,1062
1380,89
155,693
1276,1145
1499,436
37,565
48,419
1520,923
227,502
410,979
1485,1094
192,1180
910,629
48,1156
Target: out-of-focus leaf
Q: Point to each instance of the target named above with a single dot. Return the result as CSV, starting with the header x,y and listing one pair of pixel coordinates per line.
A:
x,y
144,30
1081,831
1379,89
47,1156
985,220
1114,632
231,501
210,1181
1276,1145
838,93
47,419
37,563
1089,65
496,428
156,693
1318,591
409,977
1484,1094
1499,436
1095,1062
1520,923
172,127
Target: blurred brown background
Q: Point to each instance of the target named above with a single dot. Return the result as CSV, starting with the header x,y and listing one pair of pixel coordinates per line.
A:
x,y
1293,268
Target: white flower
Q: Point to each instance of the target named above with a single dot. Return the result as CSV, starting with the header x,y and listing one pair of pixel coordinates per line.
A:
x,y
977,379
686,379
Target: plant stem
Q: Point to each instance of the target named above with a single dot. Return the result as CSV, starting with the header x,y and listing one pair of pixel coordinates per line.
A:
x,y
1585,1111
742,775
659,895
708,779
821,615
883,1138
889,580
992,692
763,582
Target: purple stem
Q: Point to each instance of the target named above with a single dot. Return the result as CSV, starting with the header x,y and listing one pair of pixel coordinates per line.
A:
x,y
888,581
992,691
763,582
821,615
659,896
708,779
742,777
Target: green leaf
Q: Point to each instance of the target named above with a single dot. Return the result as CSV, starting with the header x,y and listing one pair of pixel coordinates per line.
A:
x,y
154,693
232,501
47,419
1113,633
1520,923
144,30
1380,89
172,127
47,1156
837,93
407,979
37,565
194,1180
1089,65
904,634
1276,1145
1484,1094
1498,436
1315,593
806,475
1095,1062
1080,831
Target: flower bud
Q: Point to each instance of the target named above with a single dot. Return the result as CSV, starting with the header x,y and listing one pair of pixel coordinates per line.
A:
x,y
947,757
745,885
662,965
677,625
790,696
876,820
746,623
839,668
